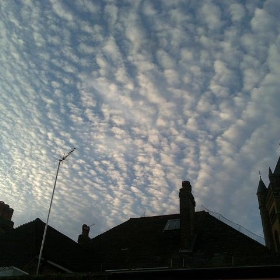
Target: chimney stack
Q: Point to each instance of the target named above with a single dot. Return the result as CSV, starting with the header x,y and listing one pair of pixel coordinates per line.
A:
x,y
6,214
5,211
187,210
84,238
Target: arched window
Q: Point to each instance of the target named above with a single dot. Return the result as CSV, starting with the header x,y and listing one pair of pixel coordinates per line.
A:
x,y
277,243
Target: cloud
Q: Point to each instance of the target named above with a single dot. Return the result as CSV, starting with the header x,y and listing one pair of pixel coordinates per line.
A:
x,y
237,12
150,95
262,22
211,15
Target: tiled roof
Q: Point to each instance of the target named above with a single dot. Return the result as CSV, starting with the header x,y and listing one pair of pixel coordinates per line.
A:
x,y
143,242
21,246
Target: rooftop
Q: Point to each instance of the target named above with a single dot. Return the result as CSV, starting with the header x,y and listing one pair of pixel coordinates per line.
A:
x,y
145,242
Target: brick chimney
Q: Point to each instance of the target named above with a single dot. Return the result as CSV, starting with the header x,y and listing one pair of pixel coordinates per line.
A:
x,y
187,210
6,214
84,238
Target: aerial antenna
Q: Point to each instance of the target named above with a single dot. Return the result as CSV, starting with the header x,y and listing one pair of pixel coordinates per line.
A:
x,y
91,225
260,174
46,226
67,155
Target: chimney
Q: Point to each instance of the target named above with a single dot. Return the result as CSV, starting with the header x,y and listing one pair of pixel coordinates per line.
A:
x,y
84,238
187,210
6,214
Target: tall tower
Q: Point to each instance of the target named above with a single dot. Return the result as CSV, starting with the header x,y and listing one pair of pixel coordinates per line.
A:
x,y
269,205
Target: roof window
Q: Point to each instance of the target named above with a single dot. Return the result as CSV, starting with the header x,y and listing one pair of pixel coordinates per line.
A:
x,y
172,224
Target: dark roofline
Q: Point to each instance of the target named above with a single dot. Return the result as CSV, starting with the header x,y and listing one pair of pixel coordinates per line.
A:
x,y
174,216
30,222
59,251
171,216
197,213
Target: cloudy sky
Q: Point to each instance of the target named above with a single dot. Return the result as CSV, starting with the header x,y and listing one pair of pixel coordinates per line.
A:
x,y
150,92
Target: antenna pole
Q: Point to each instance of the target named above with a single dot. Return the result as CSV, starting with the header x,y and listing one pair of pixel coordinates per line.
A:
x,y
46,225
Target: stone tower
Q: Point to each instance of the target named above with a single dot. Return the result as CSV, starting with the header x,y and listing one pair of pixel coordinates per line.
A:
x,y
269,205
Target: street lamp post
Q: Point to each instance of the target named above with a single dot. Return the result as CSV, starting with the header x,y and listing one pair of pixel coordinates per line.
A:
x,y
46,225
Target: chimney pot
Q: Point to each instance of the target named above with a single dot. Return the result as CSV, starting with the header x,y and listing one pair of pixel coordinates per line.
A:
x,y
85,230
186,184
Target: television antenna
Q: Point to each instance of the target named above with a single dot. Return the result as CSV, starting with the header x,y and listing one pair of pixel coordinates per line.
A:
x,y
46,225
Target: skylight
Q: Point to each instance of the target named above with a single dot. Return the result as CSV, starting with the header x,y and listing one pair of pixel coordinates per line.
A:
x,y
172,224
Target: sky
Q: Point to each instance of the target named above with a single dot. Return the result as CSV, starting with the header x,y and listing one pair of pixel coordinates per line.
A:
x,y
150,93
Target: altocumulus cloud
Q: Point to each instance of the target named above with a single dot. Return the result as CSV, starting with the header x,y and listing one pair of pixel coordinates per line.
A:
x,y
150,93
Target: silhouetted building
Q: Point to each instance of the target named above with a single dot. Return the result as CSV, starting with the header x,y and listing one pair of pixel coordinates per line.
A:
x,y
269,205
186,240
20,248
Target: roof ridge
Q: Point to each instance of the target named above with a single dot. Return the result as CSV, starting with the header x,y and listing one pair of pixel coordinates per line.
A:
x,y
166,215
235,226
30,222
155,216
38,224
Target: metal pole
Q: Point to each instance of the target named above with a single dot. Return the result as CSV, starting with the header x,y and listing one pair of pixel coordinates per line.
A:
x,y
46,225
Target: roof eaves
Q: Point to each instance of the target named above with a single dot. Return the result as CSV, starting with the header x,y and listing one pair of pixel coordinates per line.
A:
x,y
58,266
